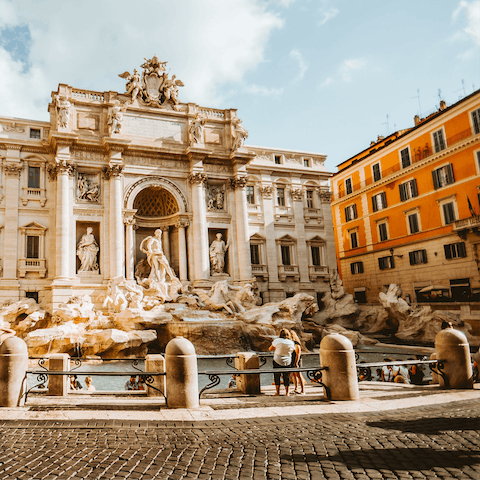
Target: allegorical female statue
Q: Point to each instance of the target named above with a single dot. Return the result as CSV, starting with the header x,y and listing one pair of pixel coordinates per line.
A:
x,y
87,251
218,249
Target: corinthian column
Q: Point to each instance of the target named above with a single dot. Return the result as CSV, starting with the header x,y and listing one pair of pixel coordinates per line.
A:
x,y
12,182
241,223
117,241
200,234
129,242
62,170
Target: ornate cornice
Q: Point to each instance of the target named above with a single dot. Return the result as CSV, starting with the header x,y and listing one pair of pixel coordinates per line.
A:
x,y
13,169
266,192
326,197
238,182
112,171
297,194
197,178
60,166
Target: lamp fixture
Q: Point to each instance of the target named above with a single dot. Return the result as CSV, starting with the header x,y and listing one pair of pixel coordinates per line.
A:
x,y
392,255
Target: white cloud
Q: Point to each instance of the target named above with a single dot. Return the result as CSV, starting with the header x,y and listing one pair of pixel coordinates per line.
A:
x,y
326,82
285,3
327,14
86,44
264,91
472,15
302,65
350,66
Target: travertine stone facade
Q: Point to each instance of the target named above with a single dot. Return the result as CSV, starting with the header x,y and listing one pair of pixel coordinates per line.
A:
x,y
123,165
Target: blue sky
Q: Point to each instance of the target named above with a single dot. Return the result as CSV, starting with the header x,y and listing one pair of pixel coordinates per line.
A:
x,y
310,75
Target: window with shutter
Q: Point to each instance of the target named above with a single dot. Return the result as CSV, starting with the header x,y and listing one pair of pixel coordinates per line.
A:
x,y
443,176
382,232
353,240
418,257
403,194
455,250
348,186
384,199
438,141
476,121
448,213
385,263
405,155
413,223
356,267
347,214
377,175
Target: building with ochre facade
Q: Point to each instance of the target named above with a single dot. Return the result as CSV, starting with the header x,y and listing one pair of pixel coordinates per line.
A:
x,y
406,210
81,192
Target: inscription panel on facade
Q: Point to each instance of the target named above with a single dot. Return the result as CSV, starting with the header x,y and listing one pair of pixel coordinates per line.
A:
x,y
153,128
156,162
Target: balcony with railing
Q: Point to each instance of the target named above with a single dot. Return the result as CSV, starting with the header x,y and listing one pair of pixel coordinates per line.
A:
x,y
285,271
418,154
39,194
32,265
260,271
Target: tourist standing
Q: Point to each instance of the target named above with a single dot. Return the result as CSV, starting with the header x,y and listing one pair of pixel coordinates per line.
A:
x,y
298,379
283,348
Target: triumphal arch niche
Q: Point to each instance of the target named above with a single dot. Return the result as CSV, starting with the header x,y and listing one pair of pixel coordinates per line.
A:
x,y
110,172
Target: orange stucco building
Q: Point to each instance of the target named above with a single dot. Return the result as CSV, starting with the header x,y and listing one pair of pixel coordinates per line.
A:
x,y
406,210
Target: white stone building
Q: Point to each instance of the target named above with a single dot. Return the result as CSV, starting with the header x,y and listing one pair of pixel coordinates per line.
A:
x,y
127,164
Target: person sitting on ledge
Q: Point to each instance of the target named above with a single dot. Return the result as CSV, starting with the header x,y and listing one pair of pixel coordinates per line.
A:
x,y
88,383
132,384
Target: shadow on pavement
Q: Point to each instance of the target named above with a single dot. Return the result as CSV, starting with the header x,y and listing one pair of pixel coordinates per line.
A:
x,y
428,426
398,459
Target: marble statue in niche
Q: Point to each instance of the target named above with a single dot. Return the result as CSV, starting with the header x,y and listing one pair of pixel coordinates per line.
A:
x,y
88,188
63,110
87,251
215,198
239,134
196,128
218,249
115,116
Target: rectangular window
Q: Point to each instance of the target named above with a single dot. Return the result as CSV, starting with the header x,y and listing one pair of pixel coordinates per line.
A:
x,y
306,162
382,232
408,190
310,199
438,141
34,133
348,186
278,159
379,201
413,224
33,295
377,174
418,257
448,213
33,243
255,254
350,212
250,194
384,263
281,197
33,177
443,176
353,240
455,250
316,257
356,267
405,155
476,121
285,255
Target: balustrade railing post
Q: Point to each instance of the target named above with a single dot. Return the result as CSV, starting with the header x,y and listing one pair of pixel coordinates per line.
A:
x,y
340,377
59,385
156,363
249,384
453,351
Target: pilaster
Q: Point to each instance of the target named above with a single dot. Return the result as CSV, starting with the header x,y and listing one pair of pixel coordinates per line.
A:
x,y
302,253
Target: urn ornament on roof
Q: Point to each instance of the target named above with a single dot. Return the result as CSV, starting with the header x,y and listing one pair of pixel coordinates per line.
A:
x,y
154,87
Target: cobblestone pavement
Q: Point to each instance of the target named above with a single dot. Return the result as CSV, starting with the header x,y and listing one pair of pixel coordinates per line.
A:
x,y
427,442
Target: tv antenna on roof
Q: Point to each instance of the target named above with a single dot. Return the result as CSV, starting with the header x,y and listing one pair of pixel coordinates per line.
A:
x,y
388,128
463,88
419,106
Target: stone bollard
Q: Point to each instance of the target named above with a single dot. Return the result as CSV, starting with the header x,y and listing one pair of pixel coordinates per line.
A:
x,y
182,374
59,385
155,363
435,376
452,346
13,372
247,383
337,353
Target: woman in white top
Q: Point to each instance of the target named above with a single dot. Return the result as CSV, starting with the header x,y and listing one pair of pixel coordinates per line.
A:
x,y
282,358
88,383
